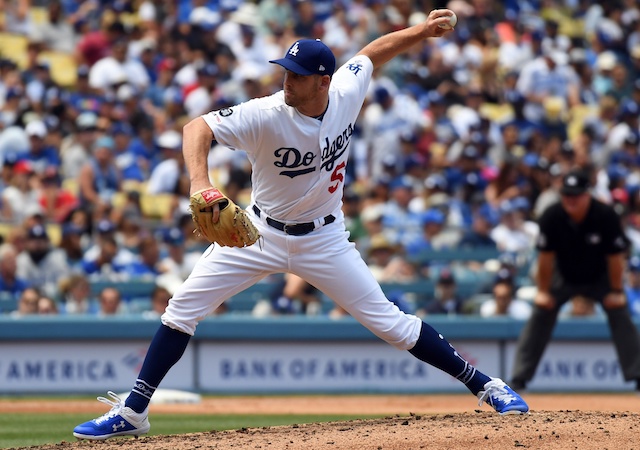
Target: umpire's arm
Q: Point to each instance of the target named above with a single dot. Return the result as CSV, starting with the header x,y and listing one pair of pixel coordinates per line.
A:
x,y
546,261
616,264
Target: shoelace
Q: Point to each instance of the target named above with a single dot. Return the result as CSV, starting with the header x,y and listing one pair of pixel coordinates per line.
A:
x,y
116,406
498,392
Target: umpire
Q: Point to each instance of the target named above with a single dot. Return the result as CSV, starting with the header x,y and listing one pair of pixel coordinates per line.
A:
x,y
581,251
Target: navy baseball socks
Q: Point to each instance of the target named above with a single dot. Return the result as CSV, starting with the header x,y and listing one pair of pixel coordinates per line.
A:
x,y
434,349
130,417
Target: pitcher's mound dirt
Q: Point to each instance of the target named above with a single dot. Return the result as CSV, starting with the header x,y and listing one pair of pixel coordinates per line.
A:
x,y
561,422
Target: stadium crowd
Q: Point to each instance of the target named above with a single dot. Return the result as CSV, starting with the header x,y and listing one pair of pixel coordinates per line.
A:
x,y
461,144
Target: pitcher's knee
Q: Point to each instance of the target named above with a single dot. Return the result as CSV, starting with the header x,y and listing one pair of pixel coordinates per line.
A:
x,y
404,334
188,327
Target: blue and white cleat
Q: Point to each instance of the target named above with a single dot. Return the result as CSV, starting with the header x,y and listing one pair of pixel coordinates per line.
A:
x,y
502,398
119,421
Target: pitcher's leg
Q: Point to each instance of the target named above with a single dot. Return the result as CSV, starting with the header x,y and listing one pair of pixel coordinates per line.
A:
x,y
165,350
217,276
350,283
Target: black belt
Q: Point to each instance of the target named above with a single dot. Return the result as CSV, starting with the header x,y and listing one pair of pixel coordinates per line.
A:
x,y
298,229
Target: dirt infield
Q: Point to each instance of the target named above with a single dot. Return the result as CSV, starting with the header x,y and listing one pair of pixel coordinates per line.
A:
x,y
584,422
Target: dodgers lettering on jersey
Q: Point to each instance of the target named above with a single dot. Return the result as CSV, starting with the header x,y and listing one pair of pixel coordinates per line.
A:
x,y
298,161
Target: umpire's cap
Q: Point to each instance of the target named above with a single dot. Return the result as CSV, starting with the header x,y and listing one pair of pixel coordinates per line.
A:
x,y
308,57
575,182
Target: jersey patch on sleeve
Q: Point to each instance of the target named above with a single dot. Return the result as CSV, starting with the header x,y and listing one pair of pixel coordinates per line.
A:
x,y
355,67
225,112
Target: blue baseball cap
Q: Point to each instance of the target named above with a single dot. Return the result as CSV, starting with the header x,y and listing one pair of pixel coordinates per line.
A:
x,y
174,236
432,216
308,57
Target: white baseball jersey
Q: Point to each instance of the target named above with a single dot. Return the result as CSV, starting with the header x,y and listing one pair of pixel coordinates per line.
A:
x,y
298,161
298,176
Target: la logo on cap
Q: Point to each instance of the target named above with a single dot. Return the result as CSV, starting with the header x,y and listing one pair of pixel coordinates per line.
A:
x,y
572,181
294,49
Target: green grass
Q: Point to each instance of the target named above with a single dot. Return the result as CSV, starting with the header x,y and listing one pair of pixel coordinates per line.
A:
x,y
23,430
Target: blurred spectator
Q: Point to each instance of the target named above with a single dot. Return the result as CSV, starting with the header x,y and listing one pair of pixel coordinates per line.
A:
x,y
95,45
385,119
551,194
84,99
131,166
351,207
129,231
55,200
41,264
75,150
47,306
626,123
11,286
338,312
110,303
305,24
19,194
295,296
17,237
56,32
147,265
111,71
580,307
404,226
505,186
371,217
27,304
41,155
276,15
76,296
178,260
387,262
166,176
159,301
504,303
200,97
547,76
436,234
446,299
479,235
100,178
105,265
514,233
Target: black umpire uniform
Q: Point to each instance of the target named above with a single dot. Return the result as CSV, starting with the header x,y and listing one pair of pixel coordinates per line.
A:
x,y
582,251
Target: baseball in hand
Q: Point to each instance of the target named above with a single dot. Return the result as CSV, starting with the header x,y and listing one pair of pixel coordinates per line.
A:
x,y
453,20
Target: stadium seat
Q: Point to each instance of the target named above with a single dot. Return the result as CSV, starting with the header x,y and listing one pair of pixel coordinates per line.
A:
x,y
119,199
54,231
38,15
133,185
14,47
62,67
5,228
156,206
71,185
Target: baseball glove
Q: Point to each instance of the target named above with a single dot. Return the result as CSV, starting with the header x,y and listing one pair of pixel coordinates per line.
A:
x,y
233,228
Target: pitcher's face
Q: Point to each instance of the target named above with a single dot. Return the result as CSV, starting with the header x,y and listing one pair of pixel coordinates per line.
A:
x,y
301,90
